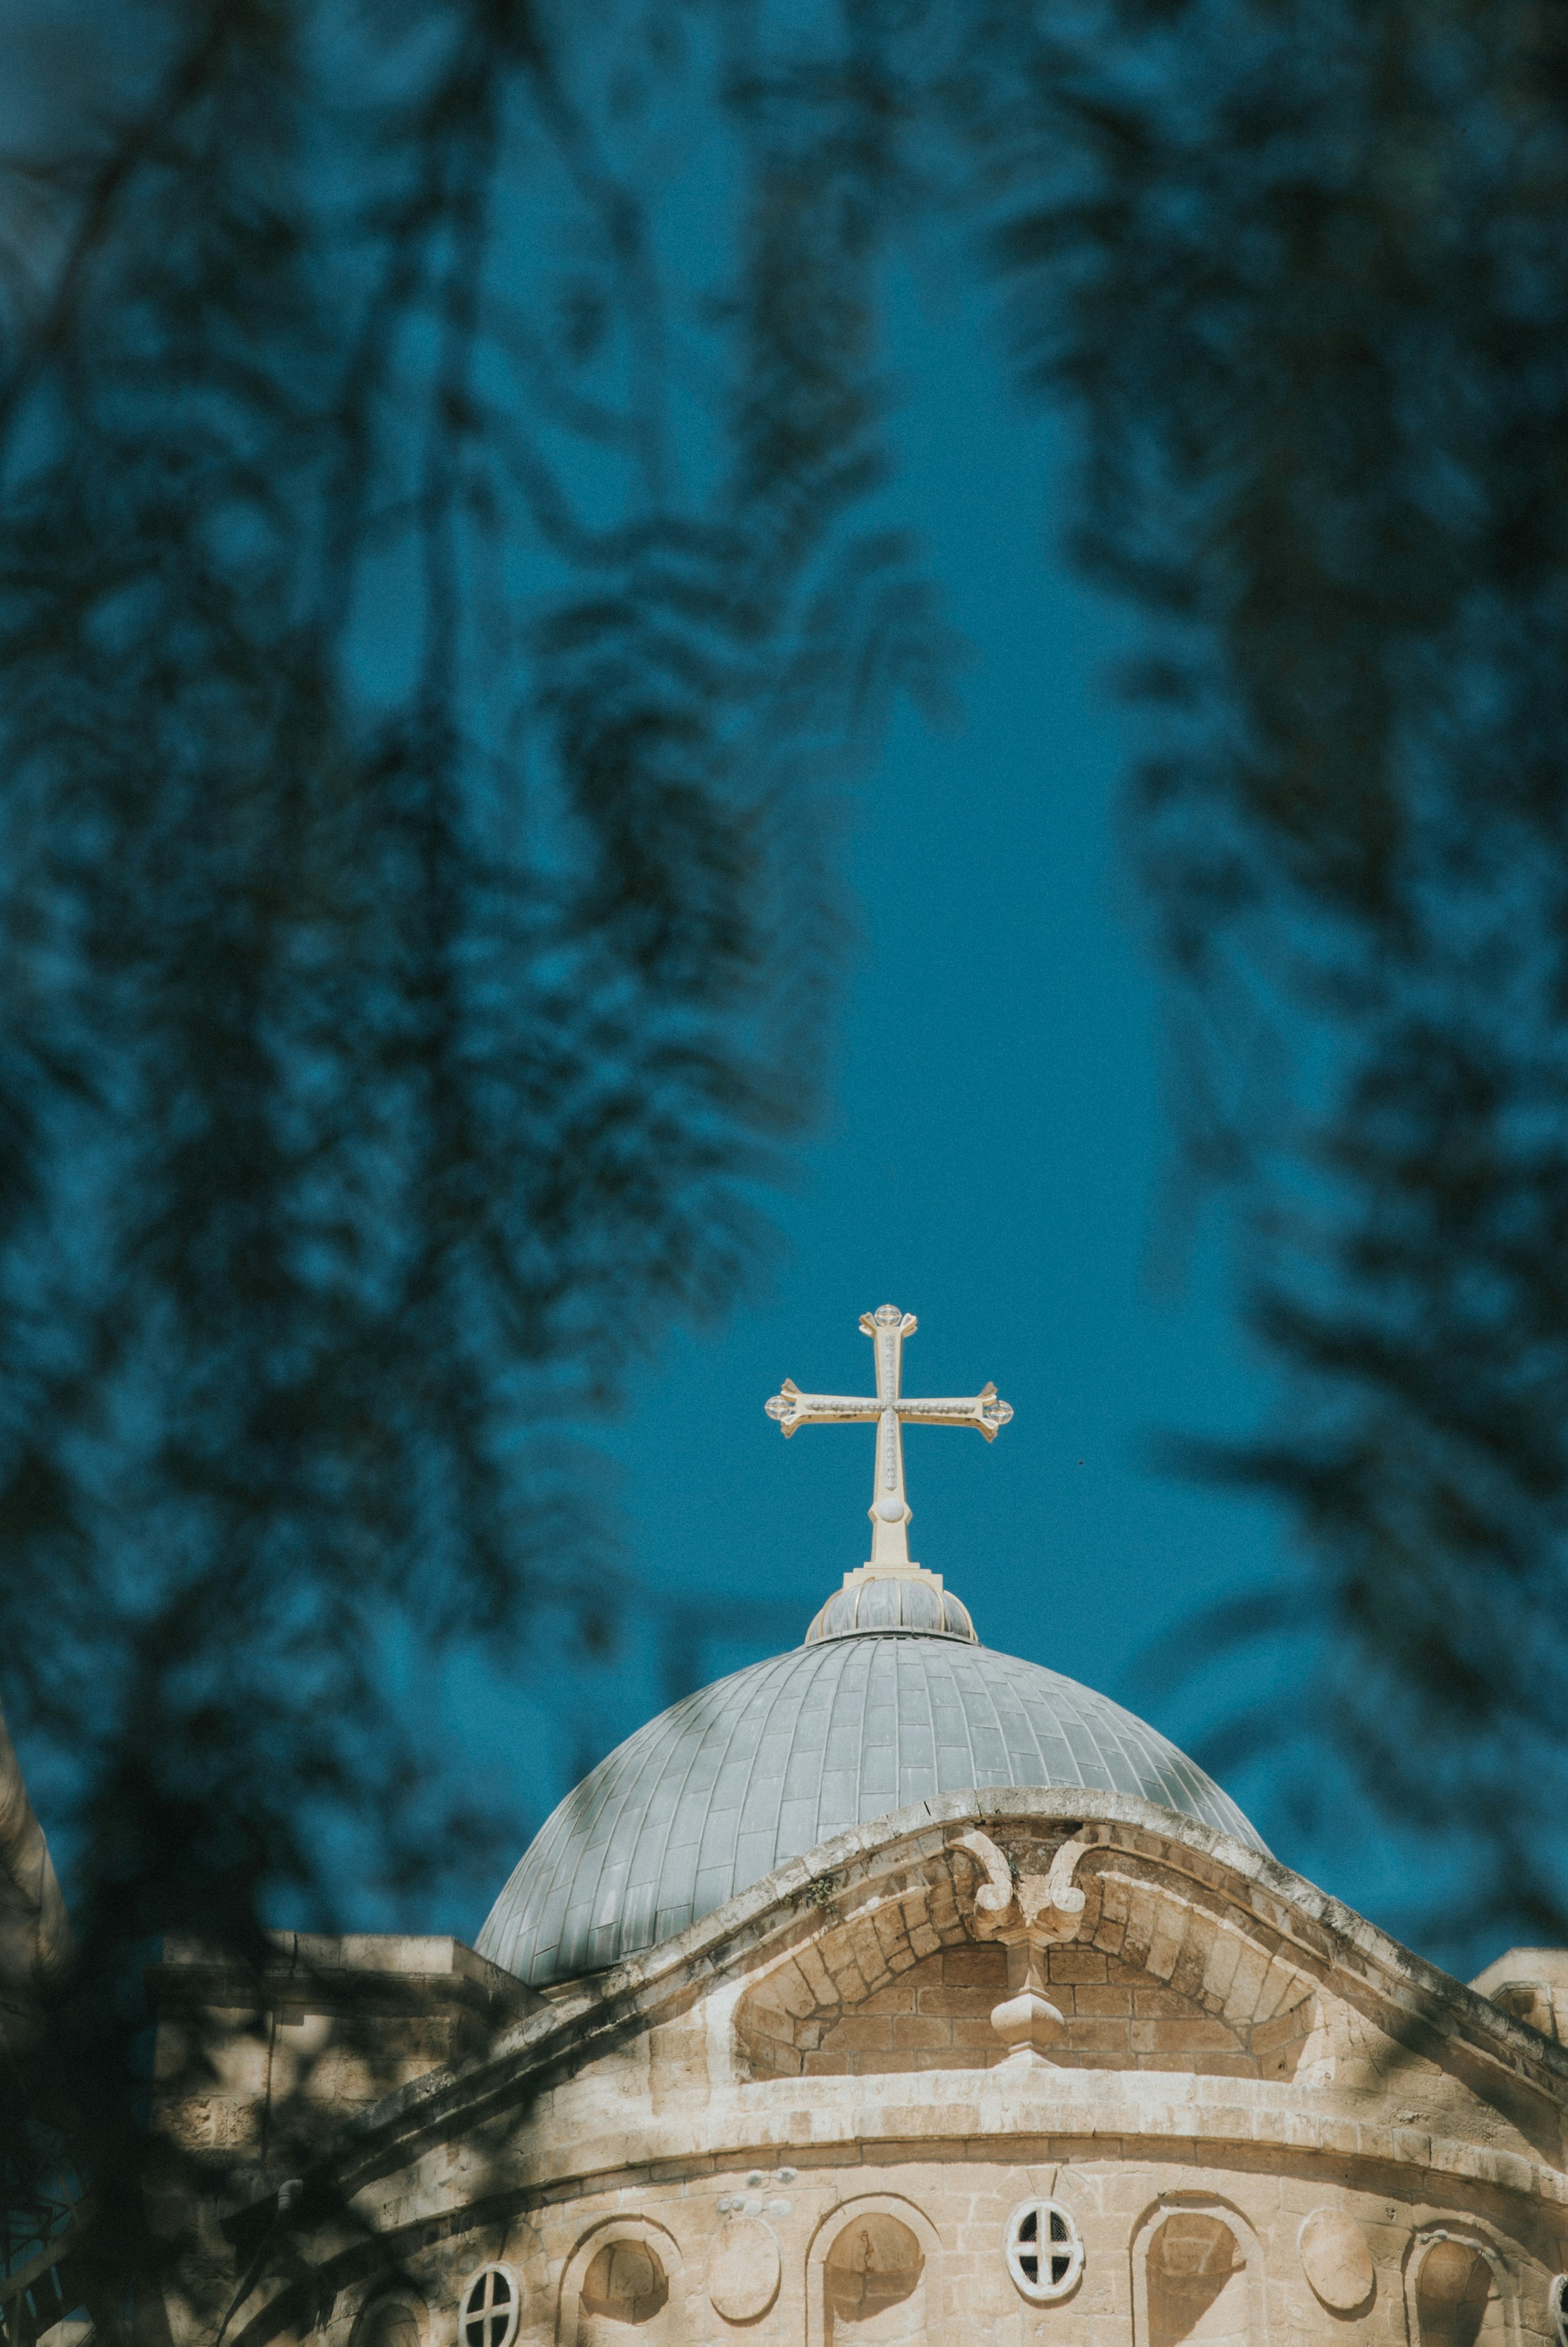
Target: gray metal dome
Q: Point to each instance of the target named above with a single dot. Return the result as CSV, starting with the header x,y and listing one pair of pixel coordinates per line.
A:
x,y
762,1765
904,1601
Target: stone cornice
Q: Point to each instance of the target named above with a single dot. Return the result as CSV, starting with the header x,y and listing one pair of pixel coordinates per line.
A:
x,y
963,2111
1416,2001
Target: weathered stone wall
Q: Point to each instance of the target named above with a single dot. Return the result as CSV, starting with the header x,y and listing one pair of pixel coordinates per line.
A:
x,y
765,2132
839,2239
262,2066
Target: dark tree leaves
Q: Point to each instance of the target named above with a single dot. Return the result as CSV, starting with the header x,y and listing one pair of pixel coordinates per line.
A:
x,y
1302,267
430,612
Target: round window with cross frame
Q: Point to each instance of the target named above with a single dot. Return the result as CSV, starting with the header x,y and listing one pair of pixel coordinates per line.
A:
x,y
1044,2250
487,2315
1560,2310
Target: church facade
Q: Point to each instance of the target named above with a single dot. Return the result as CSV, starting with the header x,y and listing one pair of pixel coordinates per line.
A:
x,y
893,1990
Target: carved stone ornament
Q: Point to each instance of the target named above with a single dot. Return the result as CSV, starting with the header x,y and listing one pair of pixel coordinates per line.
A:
x,y
743,2271
1336,2259
1029,1916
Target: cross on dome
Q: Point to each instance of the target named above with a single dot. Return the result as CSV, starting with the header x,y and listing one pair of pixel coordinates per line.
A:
x,y
890,1512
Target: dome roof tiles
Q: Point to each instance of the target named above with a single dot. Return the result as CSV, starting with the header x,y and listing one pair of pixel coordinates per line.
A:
x,y
761,1767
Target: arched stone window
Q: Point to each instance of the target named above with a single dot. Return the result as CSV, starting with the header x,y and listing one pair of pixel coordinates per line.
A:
x,y
1459,2297
873,2283
1195,2283
625,2285
392,2320
622,2286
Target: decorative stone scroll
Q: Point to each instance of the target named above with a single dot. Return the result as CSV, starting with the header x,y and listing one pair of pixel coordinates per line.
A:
x,y
1029,1914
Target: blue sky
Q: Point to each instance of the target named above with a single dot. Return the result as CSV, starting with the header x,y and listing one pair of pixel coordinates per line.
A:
x,y
994,1159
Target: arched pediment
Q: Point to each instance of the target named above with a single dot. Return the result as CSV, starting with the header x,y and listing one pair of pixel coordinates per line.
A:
x,y
1159,1974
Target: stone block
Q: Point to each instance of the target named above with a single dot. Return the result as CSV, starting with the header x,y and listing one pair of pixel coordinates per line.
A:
x,y
859,1956
892,1938
1115,1891
1187,1972
786,1990
898,1999
1091,2034
978,2034
850,1986
1187,2033
1142,1921
1075,1964
1241,2003
1282,1987
819,1981
1160,2003
974,1967
855,2032
919,2030
1122,1972
1166,1940
944,2002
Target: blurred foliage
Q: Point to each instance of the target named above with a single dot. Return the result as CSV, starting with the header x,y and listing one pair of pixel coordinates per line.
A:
x,y
1297,267
435,580
431,622
1302,267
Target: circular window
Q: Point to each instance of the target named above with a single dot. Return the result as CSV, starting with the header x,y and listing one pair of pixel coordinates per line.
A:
x,y
1560,2310
1045,2255
488,2316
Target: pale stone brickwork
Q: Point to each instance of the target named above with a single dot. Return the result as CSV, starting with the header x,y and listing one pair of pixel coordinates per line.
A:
x,y
1146,1985
269,2068
1139,2285
788,2128
1118,2016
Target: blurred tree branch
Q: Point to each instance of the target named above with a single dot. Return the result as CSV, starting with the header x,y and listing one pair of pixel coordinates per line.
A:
x,y
428,604
428,620
1301,268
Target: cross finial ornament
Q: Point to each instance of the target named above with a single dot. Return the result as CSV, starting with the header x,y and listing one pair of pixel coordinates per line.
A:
x,y
887,1327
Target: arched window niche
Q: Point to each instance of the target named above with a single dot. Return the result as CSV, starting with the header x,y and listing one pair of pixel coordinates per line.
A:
x,y
1458,2291
395,2317
1198,2276
871,2276
623,2287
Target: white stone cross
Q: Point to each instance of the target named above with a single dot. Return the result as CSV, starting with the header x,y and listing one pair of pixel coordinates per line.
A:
x,y
889,1510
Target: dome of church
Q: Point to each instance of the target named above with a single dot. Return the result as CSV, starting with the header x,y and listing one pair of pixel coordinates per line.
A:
x,y
762,1765
891,1699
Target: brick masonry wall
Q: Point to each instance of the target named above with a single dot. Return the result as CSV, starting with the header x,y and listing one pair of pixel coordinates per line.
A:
x,y
937,2015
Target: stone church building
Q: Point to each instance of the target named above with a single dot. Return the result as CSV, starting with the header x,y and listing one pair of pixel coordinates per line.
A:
x,y
891,1990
